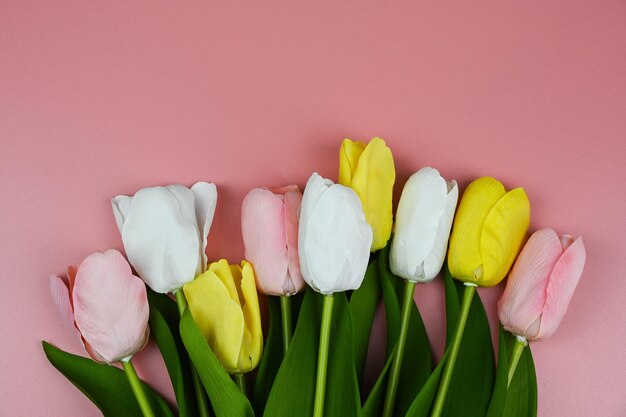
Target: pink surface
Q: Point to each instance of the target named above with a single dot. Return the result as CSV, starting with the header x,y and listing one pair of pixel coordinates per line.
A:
x,y
98,99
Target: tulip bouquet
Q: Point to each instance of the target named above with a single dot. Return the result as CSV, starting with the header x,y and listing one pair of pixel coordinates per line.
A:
x,y
322,259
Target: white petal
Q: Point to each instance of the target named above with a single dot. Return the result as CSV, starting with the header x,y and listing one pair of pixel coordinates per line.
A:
x,y
422,205
161,237
121,204
434,260
205,201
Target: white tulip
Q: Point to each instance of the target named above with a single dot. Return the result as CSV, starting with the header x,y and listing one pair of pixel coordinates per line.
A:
x,y
164,231
423,221
334,238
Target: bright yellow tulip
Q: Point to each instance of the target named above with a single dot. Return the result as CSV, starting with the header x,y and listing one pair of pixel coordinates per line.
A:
x,y
488,232
223,301
370,172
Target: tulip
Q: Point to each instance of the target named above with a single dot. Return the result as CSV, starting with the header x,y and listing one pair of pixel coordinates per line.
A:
x,y
334,242
540,287
269,224
223,302
418,249
370,172
488,232
164,231
108,306
422,228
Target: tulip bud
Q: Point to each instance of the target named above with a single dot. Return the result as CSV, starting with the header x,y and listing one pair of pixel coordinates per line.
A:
x,y
370,172
269,224
106,304
224,304
422,228
541,284
164,231
334,238
488,232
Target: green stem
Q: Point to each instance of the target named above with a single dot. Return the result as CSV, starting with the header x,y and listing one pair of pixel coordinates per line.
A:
x,y
322,359
285,312
448,367
203,406
240,379
518,348
135,384
392,383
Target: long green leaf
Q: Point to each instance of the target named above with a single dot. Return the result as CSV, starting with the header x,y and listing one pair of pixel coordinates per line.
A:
x,y
424,400
106,386
521,398
271,359
363,305
294,387
164,321
226,398
498,398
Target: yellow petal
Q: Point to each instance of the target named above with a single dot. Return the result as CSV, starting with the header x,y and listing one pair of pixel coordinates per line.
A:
x,y
224,272
252,346
349,155
218,317
464,255
373,182
503,234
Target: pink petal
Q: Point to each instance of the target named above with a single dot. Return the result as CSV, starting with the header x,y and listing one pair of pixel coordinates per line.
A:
x,y
61,296
561,288
265,239
110,306
293,281
523,299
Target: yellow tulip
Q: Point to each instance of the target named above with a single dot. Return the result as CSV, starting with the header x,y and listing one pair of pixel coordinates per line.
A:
x,y
370,172
223,301
488,232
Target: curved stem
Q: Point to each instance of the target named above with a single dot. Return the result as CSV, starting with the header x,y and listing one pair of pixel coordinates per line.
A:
x,y
240,379
518,348
203,406
135,384
285,312
392,383
322,359
448,367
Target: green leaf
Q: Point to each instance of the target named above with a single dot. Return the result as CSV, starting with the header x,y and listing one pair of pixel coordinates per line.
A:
x,y
498,398
473,379
294,387
416,362
424,400
226,398
521,398
106,386
363,304
164,322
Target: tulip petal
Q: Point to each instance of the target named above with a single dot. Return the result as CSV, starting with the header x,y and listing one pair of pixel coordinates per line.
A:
x,y
335,241
61,297
224,272
219,317
252,346
110,306
293,281
264,232
464,256
434,261
161,237
349,155
421,206
205,201
503,234
560,290
121,205
523,300
373,182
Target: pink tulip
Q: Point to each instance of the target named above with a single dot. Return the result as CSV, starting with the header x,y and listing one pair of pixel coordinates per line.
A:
x,y
106,304
269,223
541,284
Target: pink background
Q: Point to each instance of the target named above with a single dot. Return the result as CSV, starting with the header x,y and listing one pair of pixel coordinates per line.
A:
x,y
102,98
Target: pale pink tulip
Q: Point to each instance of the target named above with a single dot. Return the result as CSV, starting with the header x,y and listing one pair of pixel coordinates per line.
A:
x,y
107,305
541,284
269,223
